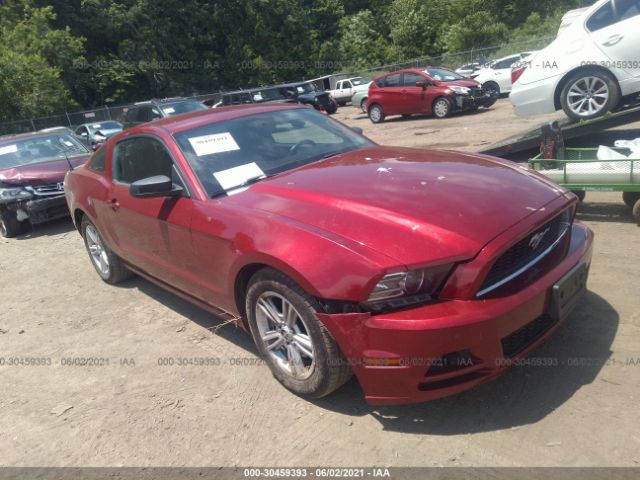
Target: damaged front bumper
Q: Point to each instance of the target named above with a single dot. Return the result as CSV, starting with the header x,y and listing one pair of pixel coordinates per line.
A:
x,y
475,99
40,209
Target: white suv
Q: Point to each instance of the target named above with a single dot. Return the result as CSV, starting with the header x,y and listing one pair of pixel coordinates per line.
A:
x,y
586,70
496,76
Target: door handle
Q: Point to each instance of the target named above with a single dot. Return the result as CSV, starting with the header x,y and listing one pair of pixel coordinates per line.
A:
x,y
114,204
613,39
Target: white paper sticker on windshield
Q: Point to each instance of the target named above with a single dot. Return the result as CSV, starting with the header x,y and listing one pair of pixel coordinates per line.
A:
x,y
169,110
96,125
234,177
218,143
8,149
68,143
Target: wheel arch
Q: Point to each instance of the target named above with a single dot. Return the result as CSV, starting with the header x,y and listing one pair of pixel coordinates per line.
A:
x,y
565,79
247,271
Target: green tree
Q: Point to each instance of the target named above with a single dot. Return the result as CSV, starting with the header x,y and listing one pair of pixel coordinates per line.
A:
x,y
361,45
477,29
33,59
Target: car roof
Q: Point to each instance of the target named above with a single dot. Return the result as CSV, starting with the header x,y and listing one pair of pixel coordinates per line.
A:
x,y
200,118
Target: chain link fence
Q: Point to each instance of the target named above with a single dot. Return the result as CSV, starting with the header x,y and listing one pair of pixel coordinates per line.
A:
x,y
449,60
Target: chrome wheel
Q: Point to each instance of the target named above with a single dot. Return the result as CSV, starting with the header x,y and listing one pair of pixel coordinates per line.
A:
x,y
96,250
441,108
285,335
375,114
588,96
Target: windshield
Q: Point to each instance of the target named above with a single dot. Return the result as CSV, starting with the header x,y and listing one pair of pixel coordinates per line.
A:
x,y
106,126
185,106
305,88
226,155
443,75
357,81
38,150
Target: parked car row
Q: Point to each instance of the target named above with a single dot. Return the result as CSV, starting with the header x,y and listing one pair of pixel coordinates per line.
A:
x,y
92,135
304,93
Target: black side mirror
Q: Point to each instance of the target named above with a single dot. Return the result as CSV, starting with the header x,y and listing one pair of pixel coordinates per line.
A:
x,y
152,187
358,130
421,85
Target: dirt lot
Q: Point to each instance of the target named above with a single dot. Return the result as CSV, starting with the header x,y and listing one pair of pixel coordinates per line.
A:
x,y
129,410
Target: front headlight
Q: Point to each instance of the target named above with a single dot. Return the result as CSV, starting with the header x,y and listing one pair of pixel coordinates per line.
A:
x,y
460,90
424,282
13,194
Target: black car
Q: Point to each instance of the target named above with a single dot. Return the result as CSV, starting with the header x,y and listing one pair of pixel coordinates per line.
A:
x,y
143,112
303,92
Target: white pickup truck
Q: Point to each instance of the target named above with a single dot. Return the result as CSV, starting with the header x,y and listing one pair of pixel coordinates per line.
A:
x,y
345,89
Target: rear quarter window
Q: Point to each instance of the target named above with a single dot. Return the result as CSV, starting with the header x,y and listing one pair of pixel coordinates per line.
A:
x,y
602,18
96,163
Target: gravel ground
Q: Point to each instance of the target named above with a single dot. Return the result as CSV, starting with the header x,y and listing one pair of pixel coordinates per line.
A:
x,y
128,409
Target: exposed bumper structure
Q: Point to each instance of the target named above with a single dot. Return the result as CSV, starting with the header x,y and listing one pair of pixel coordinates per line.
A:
x,y
40,210
445,348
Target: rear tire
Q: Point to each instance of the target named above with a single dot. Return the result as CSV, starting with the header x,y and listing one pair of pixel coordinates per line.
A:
x,y
589,94
376,114
10,227
441,107
300,351
363,105
492,87
636,212
108,265
630,198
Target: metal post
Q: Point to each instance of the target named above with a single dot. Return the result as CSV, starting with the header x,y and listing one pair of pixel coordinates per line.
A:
x,y
68,118
33,125
108,112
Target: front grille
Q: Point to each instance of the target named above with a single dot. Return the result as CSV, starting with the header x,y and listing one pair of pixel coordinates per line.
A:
x,y
47,190
527,252
477,92
525,336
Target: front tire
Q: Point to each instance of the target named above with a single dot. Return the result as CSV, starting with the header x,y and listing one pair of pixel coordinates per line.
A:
x,y
376,114
298,348
107,264
10,226
589,94
441,107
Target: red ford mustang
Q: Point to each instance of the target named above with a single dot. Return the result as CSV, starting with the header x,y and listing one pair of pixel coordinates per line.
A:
x,y
422,272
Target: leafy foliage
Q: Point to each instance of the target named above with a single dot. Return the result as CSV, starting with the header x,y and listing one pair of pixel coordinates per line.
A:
x,y
56,54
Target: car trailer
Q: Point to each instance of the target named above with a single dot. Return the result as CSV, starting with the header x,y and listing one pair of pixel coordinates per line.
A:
x,y
520,147
581,171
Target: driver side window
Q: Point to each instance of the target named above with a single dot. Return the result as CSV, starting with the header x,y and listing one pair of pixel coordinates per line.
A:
x,y
142,157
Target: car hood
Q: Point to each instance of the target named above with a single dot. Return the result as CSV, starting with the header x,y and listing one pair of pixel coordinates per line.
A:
x,y
109,133
414,206
466,82
40,173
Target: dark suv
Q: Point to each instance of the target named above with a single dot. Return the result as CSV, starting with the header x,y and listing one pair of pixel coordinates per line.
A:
x,y
143,112
303,92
